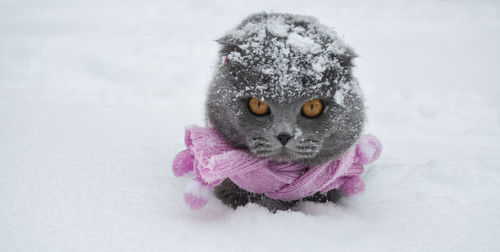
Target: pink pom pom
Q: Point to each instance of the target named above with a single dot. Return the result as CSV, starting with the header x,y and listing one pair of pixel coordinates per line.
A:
x,y
352,186
368,149
196,195
194,202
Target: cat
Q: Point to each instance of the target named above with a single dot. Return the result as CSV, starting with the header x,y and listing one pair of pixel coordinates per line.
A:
x,y
284,89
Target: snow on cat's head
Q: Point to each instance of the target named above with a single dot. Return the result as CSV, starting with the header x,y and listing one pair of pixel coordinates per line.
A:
x,y
284,61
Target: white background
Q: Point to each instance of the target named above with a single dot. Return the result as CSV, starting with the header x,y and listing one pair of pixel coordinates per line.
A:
x,y
94,96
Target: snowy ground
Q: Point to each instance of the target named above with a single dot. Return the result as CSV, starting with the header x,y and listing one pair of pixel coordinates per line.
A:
x,y
94,96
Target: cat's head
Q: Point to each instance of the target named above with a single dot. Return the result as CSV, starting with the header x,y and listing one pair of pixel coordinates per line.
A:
x,y
284,89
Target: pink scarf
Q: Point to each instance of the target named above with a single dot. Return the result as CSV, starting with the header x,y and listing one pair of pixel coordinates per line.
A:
x,y
211,160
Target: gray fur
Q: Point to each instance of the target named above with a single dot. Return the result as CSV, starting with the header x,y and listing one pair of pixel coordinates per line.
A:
x,y
315,140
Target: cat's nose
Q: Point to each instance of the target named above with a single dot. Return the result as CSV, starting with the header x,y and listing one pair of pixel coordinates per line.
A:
x,y
284,137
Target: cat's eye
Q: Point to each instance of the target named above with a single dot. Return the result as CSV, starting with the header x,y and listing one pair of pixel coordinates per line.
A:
x,y
312,108
258,107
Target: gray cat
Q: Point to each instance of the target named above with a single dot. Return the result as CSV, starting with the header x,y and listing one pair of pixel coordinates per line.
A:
x,y
284,90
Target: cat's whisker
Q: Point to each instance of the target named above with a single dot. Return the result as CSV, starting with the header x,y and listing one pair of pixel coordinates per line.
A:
x,y
305,151
306,147
307,144
304,154
262,145
258,138
262,152
259,142
308,141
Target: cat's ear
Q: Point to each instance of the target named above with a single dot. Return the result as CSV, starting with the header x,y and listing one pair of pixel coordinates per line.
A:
x,y
346,58
224,40
228,45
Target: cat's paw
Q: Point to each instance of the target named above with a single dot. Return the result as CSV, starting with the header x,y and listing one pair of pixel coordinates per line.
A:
x,y
333,195
274,205
230,194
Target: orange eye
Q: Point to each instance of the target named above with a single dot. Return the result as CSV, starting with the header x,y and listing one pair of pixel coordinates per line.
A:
x,y
258,107
312,108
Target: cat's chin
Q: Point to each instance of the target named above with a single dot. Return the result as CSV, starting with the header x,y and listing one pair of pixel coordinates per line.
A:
x,y
285,155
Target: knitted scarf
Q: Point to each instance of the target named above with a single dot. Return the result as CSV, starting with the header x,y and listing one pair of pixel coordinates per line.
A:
x,y
210,159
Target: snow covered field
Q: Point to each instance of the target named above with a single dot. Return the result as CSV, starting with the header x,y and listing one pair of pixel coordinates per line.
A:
x,y
94,96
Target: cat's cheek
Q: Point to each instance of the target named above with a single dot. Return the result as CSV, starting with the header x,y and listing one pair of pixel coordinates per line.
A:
x,y
317,128
252,125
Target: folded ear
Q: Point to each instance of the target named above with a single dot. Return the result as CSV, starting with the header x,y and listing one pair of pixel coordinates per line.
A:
x,y
346,58
231,38
223,40
228,45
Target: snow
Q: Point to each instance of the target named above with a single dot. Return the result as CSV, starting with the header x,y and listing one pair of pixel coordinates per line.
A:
x,y
289,53
94,96
303,44
339,97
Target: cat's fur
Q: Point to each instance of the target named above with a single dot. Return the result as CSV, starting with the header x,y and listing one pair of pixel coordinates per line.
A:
x,y
250,68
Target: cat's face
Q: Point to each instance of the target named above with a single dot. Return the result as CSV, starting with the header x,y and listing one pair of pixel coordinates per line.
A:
x,y
285,132
285,111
